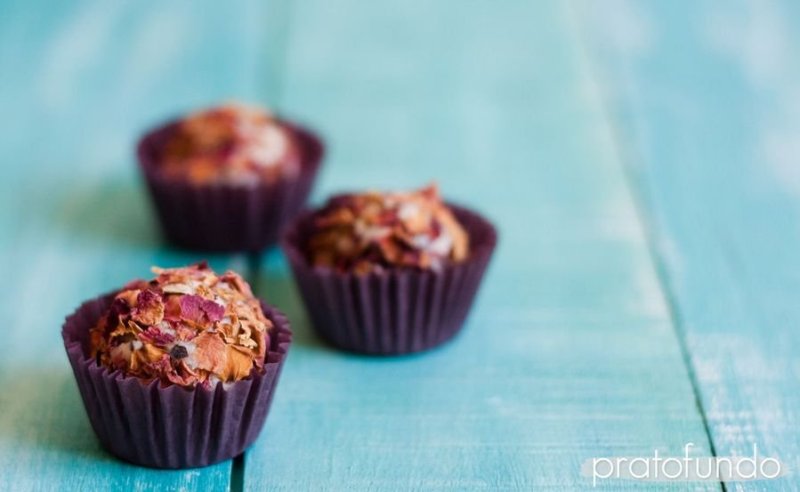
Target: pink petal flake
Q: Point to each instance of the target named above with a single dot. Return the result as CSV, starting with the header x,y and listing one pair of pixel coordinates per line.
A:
x,y
197,309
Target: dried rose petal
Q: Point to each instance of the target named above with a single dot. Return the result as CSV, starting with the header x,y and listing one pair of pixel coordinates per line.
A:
x,y
191,308
230,144
238,364
214,311
210,353
209,329
373,231
149,308
198,309
172,308
157,336
119,308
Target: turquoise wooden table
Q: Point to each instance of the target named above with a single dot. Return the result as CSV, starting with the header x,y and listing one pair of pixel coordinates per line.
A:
x,y
639,158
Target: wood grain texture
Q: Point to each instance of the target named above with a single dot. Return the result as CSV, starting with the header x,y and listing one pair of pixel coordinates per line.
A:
x,y
705,97
569,352
80,81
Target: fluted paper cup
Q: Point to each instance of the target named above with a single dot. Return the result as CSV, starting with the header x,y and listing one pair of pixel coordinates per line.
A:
x,y
158,426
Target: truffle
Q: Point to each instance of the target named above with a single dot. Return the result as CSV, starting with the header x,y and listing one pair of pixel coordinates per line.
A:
x,y
373,231
234,144
187,326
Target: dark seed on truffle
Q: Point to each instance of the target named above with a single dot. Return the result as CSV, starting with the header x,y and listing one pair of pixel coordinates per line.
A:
x,y
178,352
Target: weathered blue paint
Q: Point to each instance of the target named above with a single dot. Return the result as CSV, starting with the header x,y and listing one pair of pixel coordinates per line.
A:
x,y
569,353
79,82
706,102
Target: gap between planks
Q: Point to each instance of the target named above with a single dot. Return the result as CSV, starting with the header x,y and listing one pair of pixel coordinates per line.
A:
x,y
644,213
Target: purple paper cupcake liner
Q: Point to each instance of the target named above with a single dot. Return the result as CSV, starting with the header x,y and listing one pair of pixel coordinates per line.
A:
x,y
171,427
391,312
227,217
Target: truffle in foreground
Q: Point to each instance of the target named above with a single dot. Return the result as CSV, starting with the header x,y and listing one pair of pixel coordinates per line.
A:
x,y
152,420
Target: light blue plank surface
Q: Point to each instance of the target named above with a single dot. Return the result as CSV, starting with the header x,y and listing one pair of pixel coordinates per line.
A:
x,y
569,353
706,98
79,82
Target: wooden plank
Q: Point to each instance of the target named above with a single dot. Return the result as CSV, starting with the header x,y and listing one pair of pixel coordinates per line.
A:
x,y
80,81
569,353
707,102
